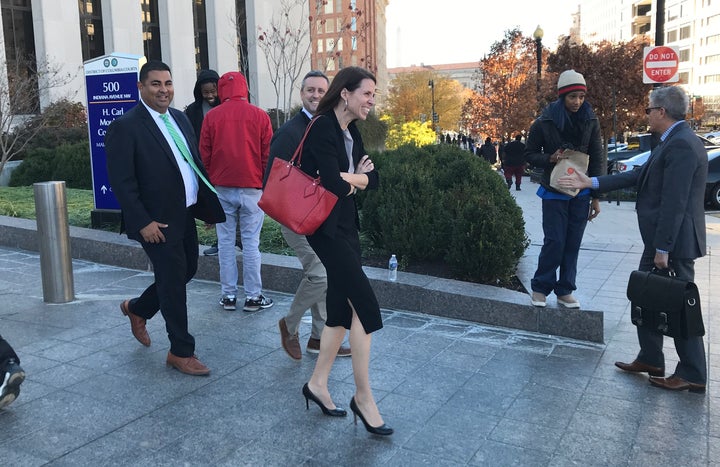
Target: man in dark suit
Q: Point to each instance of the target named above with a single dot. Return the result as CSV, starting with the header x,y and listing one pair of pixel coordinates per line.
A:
x,y
671,217
313,285
157,177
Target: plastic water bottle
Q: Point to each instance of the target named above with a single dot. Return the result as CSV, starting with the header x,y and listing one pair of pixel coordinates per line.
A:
x,y
392,268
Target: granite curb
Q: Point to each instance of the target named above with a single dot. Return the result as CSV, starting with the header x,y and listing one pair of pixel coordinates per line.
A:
x,y
454,299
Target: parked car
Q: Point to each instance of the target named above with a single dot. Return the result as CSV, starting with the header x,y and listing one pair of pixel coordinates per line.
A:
x,y
639,159
714,136
712,188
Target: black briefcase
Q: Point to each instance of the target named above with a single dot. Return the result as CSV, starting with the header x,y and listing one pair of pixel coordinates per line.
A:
x,y
662,302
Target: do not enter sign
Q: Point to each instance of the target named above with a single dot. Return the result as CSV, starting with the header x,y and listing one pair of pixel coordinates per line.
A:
x,y
660,64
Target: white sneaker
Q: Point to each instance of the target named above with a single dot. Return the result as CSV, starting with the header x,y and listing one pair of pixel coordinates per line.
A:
x,y
538,299
568,301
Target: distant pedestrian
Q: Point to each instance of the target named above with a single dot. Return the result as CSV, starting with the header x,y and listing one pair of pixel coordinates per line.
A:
x,y
513,161
489,151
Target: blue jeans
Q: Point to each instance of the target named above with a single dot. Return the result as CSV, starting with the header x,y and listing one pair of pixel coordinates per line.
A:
x,y
564,223
240,204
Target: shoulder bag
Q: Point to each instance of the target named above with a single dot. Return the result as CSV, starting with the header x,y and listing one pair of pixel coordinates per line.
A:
x,y
293,198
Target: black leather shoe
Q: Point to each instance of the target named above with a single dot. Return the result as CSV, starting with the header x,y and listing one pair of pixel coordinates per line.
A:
x,y
640,367
309,396
675,383
382,430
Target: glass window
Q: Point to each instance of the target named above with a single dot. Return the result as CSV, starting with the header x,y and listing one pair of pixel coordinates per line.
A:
x,y
151,30
320,45
683,77
330,26
339,44
201,40
17,23
329,8
672,36
91,29
353,40
684,32
330,64
684,55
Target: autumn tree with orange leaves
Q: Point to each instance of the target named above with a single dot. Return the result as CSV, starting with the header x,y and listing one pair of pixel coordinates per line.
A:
x,y
610,69
505,100
410,99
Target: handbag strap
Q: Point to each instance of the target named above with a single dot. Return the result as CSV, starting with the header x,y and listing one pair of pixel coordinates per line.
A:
x,y
297,155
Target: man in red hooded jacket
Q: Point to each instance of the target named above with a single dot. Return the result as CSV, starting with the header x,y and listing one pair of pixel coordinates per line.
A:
x,y
235,146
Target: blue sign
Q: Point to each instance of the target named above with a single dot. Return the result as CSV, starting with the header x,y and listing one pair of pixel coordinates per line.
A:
x,y
111,86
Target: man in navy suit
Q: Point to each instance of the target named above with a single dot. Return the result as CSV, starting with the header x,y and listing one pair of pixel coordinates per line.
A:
x,y
671,216
151,151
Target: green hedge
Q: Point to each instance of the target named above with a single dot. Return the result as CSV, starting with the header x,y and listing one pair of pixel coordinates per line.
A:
x,y
440,203
68,162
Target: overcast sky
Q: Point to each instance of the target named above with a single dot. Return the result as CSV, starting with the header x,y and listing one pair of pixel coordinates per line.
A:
x,y
459,31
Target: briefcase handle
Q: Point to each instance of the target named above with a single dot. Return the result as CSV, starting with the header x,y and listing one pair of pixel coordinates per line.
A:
x,y
670,272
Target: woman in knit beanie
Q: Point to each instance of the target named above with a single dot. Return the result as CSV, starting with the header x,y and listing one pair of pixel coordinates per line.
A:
x,y
567,123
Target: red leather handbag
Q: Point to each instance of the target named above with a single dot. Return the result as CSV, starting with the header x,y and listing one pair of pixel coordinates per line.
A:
x,y
293,198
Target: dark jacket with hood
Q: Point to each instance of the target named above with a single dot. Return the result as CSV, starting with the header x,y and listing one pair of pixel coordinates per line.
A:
x,y
557,128
195,111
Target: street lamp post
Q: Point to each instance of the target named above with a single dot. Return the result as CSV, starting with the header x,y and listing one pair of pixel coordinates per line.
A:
x,y
538,35
433,115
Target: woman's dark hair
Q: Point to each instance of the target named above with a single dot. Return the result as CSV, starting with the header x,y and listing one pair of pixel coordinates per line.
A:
x,y
348,78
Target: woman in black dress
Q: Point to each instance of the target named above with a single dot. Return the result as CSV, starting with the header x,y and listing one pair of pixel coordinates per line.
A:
x,y
335,151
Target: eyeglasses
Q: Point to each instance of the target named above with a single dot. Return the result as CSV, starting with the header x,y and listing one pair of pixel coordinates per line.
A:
x,y
649,109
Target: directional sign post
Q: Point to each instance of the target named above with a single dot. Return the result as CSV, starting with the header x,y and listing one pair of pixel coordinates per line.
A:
x,y
660,64
111,85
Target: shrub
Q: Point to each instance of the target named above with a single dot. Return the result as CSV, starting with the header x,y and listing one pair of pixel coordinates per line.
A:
x,y
440,203
62,122
68,162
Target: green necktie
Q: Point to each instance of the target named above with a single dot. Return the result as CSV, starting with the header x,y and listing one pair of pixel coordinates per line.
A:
x,y
185,151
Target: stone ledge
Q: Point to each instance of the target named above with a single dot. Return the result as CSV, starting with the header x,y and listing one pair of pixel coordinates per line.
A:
x,y
412,292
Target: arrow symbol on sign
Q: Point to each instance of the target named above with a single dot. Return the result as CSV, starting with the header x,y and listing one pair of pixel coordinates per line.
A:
x,y
103,189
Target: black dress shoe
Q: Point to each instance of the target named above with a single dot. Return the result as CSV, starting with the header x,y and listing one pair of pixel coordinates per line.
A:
x,y
382,430
675,383
309,396
640,367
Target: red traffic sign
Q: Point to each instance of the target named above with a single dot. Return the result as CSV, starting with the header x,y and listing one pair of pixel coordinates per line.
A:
x,y
660,64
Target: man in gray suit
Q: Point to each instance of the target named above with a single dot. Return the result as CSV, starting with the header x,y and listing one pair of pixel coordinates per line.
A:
x,y
671,217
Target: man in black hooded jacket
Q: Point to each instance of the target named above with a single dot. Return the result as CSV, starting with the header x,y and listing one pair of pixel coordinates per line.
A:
x,y
206,97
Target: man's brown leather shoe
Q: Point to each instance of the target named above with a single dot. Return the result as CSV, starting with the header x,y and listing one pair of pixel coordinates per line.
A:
x,y
640,367
313,346
290,342
187,365
137,324
675,383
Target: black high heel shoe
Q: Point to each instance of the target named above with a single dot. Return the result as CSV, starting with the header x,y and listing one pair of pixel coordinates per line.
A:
x,y
382,430
309,396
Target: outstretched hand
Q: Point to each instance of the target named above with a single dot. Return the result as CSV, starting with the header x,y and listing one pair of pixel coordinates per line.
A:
x,y
576,180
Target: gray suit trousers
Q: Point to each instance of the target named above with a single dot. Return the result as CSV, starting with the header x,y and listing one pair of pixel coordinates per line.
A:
x,y
312,291
692,366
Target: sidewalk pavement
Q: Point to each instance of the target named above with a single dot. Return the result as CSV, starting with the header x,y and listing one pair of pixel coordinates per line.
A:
x,y
456,393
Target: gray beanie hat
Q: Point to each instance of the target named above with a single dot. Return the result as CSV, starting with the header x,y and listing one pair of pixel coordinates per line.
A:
x,y
569,81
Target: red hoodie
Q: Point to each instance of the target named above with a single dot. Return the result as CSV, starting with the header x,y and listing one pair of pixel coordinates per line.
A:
x,y
235,137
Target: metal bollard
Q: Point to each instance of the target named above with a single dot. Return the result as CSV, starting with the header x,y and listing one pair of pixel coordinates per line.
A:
x,y
54,242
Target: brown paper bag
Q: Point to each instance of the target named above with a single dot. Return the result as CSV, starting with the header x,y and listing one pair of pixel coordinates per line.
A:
x,y
576,161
